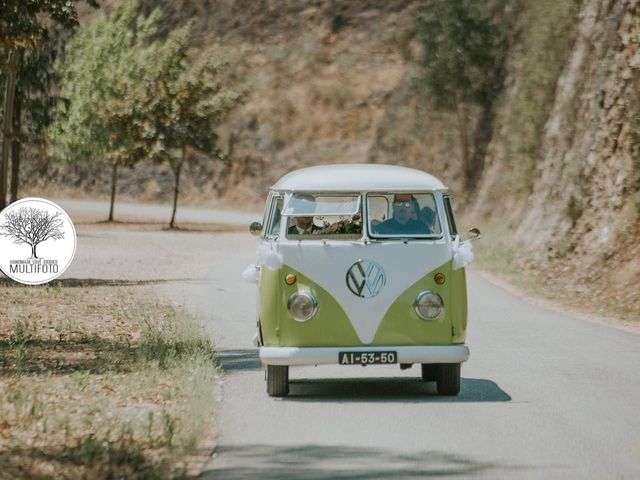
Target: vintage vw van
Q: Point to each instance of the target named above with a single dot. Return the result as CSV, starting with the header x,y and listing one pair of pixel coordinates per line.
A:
x,y
361,265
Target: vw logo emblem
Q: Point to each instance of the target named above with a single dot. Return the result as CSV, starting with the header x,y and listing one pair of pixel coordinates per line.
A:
x,y
366,278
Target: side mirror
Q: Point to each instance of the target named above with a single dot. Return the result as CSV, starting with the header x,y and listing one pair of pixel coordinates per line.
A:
x,y
474,234
255,228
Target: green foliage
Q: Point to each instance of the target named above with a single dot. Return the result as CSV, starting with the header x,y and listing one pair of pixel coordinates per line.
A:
x,y
132,95
187,95
168,342
574,209
548,32
24,23
461,42
102,83
35,86
22,333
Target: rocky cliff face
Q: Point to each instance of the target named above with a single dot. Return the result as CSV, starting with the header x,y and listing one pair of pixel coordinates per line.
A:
x,y
590,167
582,218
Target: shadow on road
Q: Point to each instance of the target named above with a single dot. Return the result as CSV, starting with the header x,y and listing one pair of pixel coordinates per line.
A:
x,y
238,359
381,389
318,462
392,389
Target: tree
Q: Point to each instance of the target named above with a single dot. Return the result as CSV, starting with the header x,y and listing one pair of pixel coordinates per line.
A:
x,y
32,226
25,24
462,47
35,98
187,96
101,76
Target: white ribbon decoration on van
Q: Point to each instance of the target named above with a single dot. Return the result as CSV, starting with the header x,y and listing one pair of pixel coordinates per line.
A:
x,y
463,255
251,274
268,256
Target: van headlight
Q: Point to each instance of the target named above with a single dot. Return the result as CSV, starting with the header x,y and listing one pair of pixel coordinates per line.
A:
x,y
302,306
428,305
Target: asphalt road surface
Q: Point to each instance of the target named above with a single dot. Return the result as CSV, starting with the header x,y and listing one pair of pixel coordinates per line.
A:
x,y
544,395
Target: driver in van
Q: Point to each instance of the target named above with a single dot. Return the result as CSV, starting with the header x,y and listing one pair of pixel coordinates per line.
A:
x,y
404,217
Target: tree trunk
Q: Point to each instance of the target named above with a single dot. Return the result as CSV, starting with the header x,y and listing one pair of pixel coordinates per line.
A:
x,y
114,178
176,172
43,160
16,147
33,251
464,143
12,66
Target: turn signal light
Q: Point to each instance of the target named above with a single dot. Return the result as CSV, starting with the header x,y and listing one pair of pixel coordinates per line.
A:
x,y
439,278
290,279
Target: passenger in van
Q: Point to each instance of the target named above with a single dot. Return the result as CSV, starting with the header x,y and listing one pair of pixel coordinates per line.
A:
x,y
346,226
428,217
304,225
404,217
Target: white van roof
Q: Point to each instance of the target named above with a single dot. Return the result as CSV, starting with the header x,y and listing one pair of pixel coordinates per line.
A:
x,y
358,177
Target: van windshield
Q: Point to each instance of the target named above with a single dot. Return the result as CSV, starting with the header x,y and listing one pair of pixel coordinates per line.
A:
x,y
316,216
403,215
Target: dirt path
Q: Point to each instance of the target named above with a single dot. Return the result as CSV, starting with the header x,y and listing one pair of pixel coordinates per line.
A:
x,y
98,210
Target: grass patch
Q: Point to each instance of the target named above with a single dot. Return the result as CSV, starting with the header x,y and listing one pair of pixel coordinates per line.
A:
x,y
499,254
94,383
558,274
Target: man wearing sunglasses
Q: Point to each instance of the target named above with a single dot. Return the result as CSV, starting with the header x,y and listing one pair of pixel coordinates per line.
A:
x,y
404,220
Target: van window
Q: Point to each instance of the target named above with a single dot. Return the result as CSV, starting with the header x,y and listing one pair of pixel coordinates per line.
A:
x,y
334,205
450,219
276,216
318,216
403,215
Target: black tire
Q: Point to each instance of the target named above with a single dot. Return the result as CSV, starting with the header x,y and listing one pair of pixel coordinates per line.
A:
x,y
277,380
429,372
448,381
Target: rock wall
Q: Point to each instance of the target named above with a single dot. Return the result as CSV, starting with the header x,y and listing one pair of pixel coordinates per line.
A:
x,y
582,218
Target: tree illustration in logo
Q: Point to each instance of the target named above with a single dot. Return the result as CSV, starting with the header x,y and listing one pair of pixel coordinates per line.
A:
x,y
32,226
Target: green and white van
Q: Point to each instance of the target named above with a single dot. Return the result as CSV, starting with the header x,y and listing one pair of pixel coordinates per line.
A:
x,y
361,265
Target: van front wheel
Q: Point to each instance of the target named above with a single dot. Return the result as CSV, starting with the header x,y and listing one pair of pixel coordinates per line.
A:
x,y
448,379
277,380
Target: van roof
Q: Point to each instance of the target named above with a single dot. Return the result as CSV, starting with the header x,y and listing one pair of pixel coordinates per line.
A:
x,y
358,177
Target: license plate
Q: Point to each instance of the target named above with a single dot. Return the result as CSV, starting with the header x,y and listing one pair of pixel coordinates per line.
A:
x,y
367,358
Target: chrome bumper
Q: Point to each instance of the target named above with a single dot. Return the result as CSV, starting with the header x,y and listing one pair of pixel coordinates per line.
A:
x,y
329,355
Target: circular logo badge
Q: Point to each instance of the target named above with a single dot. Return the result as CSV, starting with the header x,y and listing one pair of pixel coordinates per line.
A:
x,y
37,241
366,278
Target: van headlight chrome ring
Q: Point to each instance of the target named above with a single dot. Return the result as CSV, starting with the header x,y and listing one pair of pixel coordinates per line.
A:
x,y
428,305
302,306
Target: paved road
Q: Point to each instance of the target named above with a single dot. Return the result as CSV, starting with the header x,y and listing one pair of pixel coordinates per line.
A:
x,y
543,395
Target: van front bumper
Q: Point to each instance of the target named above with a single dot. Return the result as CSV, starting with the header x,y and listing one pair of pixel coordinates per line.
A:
x,y
329,355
